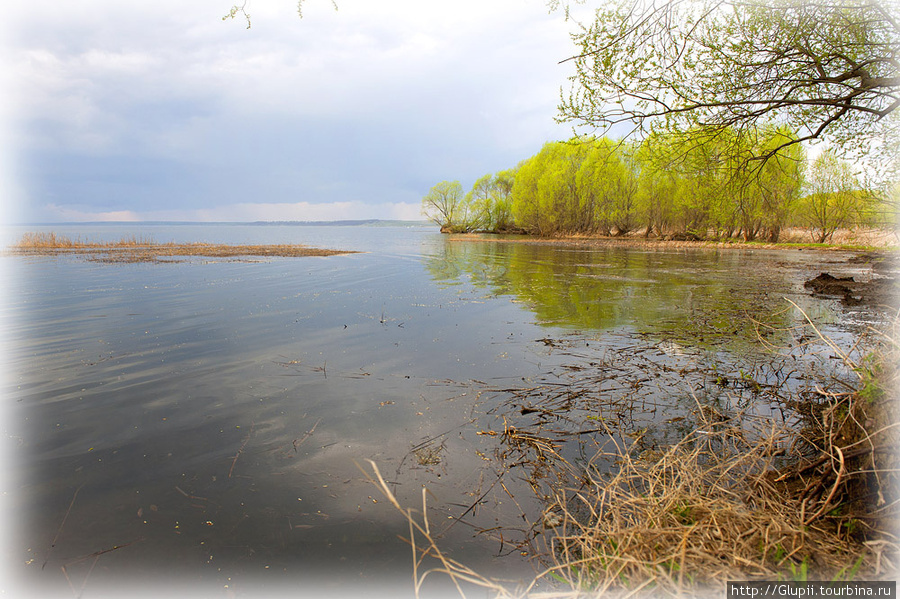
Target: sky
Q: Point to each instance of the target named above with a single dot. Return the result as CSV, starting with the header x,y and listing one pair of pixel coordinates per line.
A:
x,y
115,110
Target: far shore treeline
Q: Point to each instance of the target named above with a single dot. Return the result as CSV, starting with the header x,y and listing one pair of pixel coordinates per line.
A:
x,y
753,186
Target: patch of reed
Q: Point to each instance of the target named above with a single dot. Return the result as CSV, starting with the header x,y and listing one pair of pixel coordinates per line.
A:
x,y
704,512
53,241
719,504
42,240
132,248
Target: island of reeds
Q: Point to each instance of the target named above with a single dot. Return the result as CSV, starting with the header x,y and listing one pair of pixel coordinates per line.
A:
x,y
138,249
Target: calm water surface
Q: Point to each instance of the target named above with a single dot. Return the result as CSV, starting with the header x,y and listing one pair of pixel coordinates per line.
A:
x,y
204,422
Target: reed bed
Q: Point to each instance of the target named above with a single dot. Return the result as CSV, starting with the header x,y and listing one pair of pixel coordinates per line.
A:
x,y
132,249
53,241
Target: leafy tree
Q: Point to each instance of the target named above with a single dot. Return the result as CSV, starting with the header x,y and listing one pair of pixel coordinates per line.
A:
x,y
608,183
777,185
501,215
545,192
656,186
824,68
835,197
700,195
445,205
480,201
525,209
593,189
755,200
491,203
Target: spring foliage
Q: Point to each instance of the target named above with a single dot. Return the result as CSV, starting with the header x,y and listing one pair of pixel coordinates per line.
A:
x,y
826,69
669,186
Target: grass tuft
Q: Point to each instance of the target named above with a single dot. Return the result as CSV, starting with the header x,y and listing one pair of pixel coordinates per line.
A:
x,y
720,504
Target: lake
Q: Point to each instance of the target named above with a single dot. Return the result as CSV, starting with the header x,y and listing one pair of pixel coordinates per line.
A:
x,y
206,424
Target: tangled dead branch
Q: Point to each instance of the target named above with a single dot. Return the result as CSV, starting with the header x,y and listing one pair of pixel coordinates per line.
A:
x,y
735,498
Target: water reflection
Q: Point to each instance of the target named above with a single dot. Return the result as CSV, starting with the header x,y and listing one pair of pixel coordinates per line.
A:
x,y
211,415
698,297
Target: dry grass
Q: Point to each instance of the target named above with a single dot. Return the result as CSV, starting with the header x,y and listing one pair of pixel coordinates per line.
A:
x,y
711,509
52,241
139,249
716,506
425,547
729,501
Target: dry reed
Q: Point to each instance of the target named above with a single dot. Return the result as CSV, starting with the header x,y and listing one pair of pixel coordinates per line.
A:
x,y
131,249
735,499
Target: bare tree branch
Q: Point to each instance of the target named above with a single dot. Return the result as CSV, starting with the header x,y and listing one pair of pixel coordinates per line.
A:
x,y
824,68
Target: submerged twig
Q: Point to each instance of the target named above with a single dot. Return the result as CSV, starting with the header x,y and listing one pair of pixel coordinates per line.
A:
x,y
299,442
61,524
241,450
96,555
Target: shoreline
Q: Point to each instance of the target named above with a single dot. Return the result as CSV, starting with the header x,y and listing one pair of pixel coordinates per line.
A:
x,y
882,245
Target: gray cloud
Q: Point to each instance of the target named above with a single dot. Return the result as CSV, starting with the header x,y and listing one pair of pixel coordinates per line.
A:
x,y
154,109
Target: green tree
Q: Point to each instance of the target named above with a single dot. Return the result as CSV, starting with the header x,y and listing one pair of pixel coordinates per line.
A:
x,y
701,196
656,186
823,68
756,199
835,198
445,205
491,203
501,215
608,184
479,199
777,185
545,198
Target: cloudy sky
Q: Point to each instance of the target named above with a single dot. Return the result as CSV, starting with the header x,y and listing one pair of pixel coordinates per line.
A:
x,y
119,110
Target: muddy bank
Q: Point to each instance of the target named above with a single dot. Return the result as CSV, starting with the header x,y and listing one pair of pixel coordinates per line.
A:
x,y
880,290
852,292
848,241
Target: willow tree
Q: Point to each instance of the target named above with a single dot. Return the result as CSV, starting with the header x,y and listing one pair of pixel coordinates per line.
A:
x,y
545,195
827,69
446,205
491,201
835,198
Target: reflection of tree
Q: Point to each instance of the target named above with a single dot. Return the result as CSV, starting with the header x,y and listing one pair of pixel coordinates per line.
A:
x,y
703,298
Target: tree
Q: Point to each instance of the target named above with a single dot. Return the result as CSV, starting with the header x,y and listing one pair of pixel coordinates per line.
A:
x,y
835,196
501,216
545,195
445,205
608,184
778,184
490,202
824,68
656,186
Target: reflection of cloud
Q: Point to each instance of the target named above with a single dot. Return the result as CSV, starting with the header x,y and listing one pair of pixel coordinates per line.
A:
x,y
246,212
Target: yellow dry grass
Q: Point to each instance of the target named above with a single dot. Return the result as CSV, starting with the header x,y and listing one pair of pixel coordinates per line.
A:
x,y
137,249
724,503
